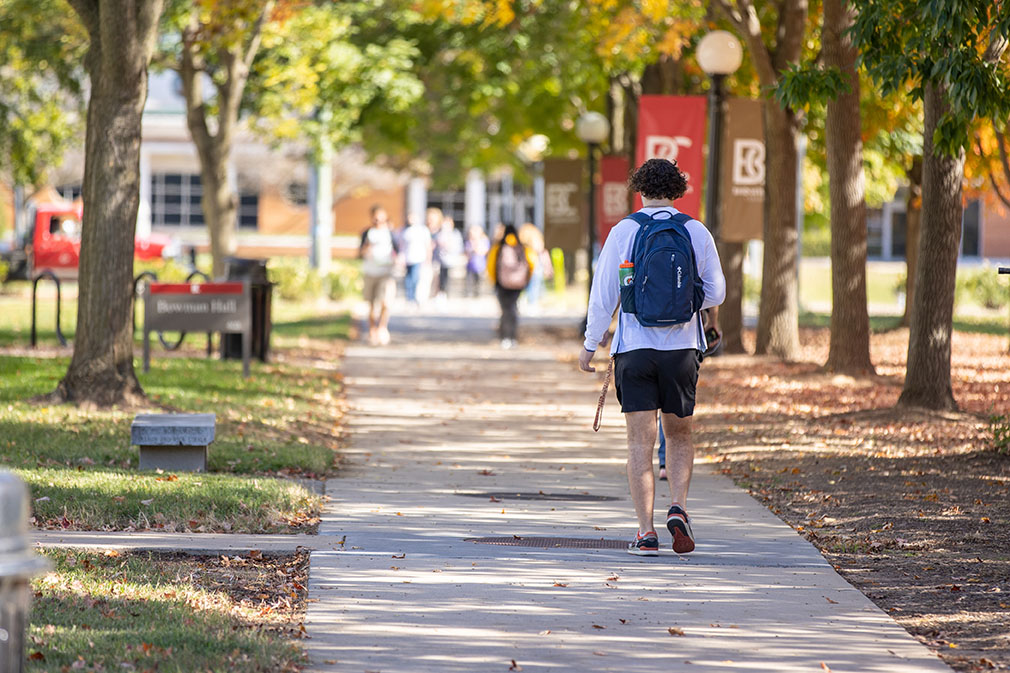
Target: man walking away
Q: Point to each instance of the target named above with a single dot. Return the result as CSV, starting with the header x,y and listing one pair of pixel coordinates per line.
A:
x,y
378,254
656,354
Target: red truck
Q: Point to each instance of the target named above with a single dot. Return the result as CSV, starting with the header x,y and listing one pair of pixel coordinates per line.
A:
x,y
47,236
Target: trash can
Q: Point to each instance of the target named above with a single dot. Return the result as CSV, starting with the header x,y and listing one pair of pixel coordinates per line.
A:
x,y
17,566
261,292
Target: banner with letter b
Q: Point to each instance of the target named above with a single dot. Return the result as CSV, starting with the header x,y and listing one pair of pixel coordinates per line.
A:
x,y
673,128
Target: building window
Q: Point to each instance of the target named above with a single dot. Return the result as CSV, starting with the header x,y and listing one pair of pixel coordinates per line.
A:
x,y
874,233
175,200
899,234
451,203
248,211
971,229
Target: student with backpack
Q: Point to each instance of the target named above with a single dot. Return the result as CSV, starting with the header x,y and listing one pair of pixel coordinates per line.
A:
x,y
510,266
660,267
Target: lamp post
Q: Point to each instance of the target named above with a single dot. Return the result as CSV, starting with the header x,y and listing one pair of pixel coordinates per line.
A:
x,y
592,128
719,55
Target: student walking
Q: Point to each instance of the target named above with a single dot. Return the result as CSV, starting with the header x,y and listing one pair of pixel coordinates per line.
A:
x,y
662,268
510,265
378,253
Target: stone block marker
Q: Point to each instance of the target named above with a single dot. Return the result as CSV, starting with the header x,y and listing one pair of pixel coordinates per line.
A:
x,y
173,442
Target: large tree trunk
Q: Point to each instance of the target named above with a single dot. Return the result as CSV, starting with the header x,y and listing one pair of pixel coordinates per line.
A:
x,y
927,377
731,311
913,217
122,37
778,321
849,351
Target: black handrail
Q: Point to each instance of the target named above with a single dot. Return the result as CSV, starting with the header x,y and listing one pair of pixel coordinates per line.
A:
x,y
171,346
136,281
35,286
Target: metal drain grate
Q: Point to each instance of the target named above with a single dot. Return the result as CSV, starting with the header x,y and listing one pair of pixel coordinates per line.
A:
x,y
551,542
540,495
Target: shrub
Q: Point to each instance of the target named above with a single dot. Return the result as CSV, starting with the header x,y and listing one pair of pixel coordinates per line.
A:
x,y
167,270
294,279
344,281
4,269
982,286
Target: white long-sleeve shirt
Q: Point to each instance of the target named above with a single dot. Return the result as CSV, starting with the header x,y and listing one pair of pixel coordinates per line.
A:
x,y
605,295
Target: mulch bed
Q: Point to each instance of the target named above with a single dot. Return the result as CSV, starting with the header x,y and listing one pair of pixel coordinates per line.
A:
x,y
912,508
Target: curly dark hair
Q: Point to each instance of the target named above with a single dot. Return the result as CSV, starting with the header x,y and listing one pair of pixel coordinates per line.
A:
x,y
659,179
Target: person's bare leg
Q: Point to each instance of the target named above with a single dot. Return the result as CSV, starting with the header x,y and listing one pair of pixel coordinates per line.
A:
x,y
641,481
679,456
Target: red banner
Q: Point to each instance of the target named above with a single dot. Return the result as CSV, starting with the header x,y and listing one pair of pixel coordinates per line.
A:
x,y
612,196
673,127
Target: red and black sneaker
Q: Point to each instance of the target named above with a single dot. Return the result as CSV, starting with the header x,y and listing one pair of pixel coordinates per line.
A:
x,y
645,545
679,525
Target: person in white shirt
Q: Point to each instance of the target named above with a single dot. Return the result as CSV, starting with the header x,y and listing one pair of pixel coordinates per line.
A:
x,y
655,368
378,254
416,254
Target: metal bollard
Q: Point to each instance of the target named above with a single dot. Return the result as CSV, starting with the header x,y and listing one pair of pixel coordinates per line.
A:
x,y
17,566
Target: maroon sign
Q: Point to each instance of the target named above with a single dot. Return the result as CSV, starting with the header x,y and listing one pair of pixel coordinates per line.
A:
x,y
612,196
673,127
198,307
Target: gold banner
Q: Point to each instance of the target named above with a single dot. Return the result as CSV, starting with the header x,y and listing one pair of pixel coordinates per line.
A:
x,y
742,190
564,205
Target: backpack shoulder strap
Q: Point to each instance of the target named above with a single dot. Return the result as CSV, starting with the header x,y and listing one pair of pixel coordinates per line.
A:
x,y
641,218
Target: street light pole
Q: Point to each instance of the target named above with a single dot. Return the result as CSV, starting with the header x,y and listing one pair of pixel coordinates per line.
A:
x,y
716,96
591,246
592,128
719,54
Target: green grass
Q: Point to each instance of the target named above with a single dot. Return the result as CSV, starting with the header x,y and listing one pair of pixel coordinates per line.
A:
x,y
82,470
281,422
136,612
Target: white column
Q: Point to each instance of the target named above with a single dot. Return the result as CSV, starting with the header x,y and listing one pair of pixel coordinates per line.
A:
x,y
417,198
475,202
321,209
144,211
886,237
538,196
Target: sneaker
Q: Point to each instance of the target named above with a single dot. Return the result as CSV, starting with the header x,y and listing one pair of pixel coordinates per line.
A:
x,y
679,525
662,473
645,545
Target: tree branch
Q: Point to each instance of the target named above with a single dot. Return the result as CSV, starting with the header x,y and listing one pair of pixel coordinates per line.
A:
x,y
89,13
191,71
744,18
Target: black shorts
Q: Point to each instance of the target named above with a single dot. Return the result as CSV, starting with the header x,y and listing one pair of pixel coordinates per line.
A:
x,y
648,379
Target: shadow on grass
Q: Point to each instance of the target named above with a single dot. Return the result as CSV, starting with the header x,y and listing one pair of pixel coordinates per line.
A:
x,y
887,323
154,622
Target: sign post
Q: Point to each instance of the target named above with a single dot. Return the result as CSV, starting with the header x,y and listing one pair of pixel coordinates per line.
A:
x,y
198,307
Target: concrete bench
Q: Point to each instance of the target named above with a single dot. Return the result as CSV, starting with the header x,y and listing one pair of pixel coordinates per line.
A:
x,y
173,442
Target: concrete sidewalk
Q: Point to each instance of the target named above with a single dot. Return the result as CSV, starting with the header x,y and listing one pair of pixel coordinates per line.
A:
x,y
453,441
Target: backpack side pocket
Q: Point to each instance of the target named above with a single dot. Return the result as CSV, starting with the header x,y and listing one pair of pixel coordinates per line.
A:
x,y
628,298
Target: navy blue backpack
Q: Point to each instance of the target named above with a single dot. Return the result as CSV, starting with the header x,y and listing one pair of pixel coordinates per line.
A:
x,y
665,289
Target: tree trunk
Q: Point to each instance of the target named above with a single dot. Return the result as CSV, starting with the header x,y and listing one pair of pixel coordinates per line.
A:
x,y
927,377
731,311
220,207
122,41
849,351
219,201
778,321
913,216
